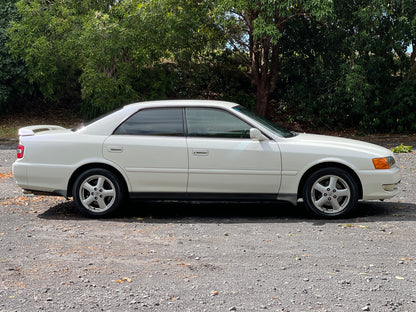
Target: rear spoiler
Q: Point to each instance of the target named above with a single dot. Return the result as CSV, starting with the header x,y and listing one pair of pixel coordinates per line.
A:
x,y
31,130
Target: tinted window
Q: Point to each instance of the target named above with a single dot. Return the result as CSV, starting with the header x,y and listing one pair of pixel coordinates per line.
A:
x,y
271,125
211,122
154,121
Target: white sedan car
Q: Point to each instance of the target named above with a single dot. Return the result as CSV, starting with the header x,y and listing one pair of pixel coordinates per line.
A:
x,y
200,150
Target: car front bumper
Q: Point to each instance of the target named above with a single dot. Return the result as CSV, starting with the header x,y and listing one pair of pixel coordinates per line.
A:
x,y
380,184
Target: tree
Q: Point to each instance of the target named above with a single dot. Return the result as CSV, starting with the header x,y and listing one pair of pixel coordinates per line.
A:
x,y
409,12
46,37
128,45
255,29
350,69
102,50
12,70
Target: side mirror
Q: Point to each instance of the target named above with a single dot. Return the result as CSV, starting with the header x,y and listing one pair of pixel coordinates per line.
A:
x,y
255,134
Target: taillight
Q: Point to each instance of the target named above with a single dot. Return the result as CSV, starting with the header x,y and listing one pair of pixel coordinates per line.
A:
x,y
20,151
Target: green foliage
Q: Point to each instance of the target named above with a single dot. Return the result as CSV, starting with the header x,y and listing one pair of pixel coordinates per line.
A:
x,y
214,77
12,70
126,48
254,29
321,64
102,50
402,149
46,37
351,69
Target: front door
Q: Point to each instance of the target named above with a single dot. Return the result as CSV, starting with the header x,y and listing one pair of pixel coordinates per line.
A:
x,y
223,158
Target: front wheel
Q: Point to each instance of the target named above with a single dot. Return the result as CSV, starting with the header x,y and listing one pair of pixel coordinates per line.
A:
x,y
98,192
330,193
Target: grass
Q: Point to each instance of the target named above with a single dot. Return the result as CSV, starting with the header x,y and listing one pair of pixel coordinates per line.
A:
x,y
7,132
10,123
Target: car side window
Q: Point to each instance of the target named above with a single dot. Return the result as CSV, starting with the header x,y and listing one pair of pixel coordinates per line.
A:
x,y
154,121
217,123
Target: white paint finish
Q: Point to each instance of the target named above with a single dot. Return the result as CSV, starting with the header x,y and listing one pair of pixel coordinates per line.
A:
x,y
374,179
162,164
151,163
233,166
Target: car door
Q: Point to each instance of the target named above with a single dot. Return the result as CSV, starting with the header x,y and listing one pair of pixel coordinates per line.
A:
x,y
151,147
223,158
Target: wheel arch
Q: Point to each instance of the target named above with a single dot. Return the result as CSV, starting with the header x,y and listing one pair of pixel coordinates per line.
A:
x,y
97,165
327,165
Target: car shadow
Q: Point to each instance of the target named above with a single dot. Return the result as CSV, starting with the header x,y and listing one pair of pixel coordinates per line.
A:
x,y
196,212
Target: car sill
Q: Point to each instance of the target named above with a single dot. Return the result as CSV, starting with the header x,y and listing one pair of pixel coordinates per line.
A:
x,y
215,197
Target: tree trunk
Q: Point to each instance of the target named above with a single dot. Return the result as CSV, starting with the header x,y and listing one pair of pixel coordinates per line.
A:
x,y
262,98
265,78
263,62
413,60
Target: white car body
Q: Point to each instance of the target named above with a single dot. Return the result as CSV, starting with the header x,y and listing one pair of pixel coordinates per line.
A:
x,y
266,166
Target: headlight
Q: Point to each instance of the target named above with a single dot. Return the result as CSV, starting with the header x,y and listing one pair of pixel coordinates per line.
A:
x,y
384,162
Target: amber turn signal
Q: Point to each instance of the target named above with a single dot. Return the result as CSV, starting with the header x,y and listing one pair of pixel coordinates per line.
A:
x,y
381,163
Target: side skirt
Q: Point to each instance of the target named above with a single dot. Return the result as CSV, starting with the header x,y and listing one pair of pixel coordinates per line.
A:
x,y
216,197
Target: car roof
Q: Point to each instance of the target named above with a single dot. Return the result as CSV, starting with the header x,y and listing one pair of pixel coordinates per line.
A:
x,y
164,103
106,124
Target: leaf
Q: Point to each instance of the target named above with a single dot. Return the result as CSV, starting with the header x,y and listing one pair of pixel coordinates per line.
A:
x,y
124,279
349,225
402,149
6,175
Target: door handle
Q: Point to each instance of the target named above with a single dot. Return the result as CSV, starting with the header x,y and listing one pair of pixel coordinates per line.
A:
x,y
115,149
198,152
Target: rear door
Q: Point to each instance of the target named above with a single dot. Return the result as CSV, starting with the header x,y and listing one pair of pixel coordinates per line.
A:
x,y
223,158
151,147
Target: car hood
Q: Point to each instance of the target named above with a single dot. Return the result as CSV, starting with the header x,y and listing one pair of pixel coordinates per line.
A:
x,y
331,143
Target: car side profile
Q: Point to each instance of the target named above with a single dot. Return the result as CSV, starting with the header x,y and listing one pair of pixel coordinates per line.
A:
x,y
200,150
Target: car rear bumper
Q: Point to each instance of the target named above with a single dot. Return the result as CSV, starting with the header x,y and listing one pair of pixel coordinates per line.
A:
x,y
40,178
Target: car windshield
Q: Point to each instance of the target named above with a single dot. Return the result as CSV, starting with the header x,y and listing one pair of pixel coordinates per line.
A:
x,y
270,125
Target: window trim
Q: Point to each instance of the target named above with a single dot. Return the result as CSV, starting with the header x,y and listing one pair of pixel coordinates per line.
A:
x,y
185,123
218,109
183,135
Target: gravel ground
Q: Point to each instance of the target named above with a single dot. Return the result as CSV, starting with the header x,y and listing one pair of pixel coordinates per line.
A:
x,y
206,257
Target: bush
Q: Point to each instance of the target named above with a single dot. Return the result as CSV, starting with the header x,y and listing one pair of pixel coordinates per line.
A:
x,y
13,83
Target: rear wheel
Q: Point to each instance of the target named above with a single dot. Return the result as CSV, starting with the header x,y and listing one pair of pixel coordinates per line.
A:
x,y
98,192
330,193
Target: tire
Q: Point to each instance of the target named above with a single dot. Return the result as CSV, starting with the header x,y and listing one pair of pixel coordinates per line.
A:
x,y
330,193
98,193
